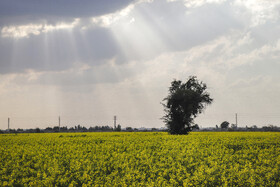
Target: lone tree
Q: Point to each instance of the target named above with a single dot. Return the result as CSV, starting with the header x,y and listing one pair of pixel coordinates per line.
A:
x,y
184,102
225,125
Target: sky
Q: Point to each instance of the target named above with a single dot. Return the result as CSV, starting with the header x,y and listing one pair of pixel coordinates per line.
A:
x,y
87,61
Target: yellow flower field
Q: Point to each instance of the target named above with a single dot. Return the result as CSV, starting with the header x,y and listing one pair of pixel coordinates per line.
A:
x,y
140,159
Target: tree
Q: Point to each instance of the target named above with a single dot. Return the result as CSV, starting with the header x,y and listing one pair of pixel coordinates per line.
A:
x,y
233,126
37,130
118,128
56,128
224,125
195,127
183,103
129,129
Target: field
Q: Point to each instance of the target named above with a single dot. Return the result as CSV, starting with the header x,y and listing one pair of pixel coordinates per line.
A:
x,y
140,159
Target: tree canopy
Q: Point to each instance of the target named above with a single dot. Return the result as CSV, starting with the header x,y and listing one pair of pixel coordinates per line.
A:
x,y
183,103
224,125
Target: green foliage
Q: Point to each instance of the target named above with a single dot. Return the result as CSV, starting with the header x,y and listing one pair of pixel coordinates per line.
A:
x,y
118,128
183,103
140,159
224,125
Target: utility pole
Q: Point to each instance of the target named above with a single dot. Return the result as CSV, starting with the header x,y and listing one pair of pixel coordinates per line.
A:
x,y
58,123
236,119
115,122
8,124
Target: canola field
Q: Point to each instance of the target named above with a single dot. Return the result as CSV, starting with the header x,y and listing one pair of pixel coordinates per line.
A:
x,y
140,159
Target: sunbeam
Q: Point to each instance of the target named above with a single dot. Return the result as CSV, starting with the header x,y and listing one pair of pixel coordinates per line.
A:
x,y
137,39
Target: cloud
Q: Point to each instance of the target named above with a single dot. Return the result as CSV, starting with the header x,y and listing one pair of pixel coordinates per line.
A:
x,y
239,67
108,19
57,50
260,11
79,76
139,31
23,12
123,57
45,47
43,26
21,31
198,3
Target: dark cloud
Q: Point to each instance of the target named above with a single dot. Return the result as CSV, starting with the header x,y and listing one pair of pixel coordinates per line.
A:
x,y
60,49
18,11
172,24
56,51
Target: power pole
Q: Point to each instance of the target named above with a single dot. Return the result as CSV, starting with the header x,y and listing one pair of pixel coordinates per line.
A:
x,y
58,123
236,119
8,124
115,122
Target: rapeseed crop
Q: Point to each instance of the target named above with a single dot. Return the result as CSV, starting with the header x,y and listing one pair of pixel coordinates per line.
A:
x,y
140,159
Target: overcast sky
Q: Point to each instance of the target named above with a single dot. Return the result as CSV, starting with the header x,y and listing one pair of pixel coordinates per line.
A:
x,y
87,61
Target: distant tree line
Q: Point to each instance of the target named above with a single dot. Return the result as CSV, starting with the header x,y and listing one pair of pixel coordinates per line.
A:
x,y
79,128
225,126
